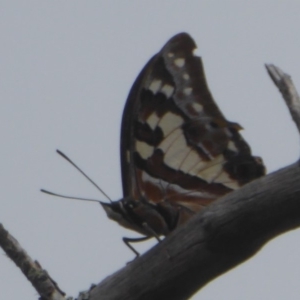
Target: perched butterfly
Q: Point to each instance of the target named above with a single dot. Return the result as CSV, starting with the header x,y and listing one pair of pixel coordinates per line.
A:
x,y
178,152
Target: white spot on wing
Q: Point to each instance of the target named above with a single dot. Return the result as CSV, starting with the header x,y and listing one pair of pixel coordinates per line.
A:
x,y
167,90
196,52
209,174
186,76
231,146
177,152
168,140
189,162
152,120
232,185
226,180
202,165
197,167
179,62
170,54
187,91
197,107
144,149
169,122
155,86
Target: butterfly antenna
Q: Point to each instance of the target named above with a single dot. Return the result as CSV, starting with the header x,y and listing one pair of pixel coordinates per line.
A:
x,y
68,197
87,177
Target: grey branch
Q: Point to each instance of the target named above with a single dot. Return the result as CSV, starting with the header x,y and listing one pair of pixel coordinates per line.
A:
x,y
225,234
289,93
39,278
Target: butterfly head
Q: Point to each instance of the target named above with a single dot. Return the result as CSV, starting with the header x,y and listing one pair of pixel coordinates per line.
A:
x,y
141,216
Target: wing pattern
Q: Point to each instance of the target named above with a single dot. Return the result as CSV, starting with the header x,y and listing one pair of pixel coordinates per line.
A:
x,y
178,152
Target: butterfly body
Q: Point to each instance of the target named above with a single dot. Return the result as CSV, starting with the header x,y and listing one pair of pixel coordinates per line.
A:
x,y
146,218
178,152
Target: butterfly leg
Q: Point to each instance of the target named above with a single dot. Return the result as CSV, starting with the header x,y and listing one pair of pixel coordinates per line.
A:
x,y
154,234
151,231
127,241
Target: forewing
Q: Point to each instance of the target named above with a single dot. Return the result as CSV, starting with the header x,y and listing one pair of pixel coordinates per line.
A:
x,y
176,145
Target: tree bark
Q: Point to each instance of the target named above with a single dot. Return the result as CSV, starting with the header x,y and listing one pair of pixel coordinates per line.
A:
x,y
217,239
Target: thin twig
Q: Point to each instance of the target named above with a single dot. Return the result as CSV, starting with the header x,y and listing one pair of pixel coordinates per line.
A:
x,y
39,278
289,93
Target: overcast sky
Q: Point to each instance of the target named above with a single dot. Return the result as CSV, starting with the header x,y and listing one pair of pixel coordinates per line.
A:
x,y
66,68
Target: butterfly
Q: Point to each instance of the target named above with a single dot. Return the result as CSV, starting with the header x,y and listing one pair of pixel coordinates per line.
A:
x,y
178,152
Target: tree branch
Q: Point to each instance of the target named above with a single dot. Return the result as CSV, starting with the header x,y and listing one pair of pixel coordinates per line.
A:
x,y
217,239
39,278
289,93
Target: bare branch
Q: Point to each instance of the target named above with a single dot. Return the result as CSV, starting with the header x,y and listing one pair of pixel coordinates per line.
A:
x,y
225,234
289,93
39,278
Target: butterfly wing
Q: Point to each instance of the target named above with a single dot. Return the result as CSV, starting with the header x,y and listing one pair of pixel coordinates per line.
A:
x,y
176,145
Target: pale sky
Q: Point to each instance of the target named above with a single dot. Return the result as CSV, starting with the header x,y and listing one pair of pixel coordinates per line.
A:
x,y
66,68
